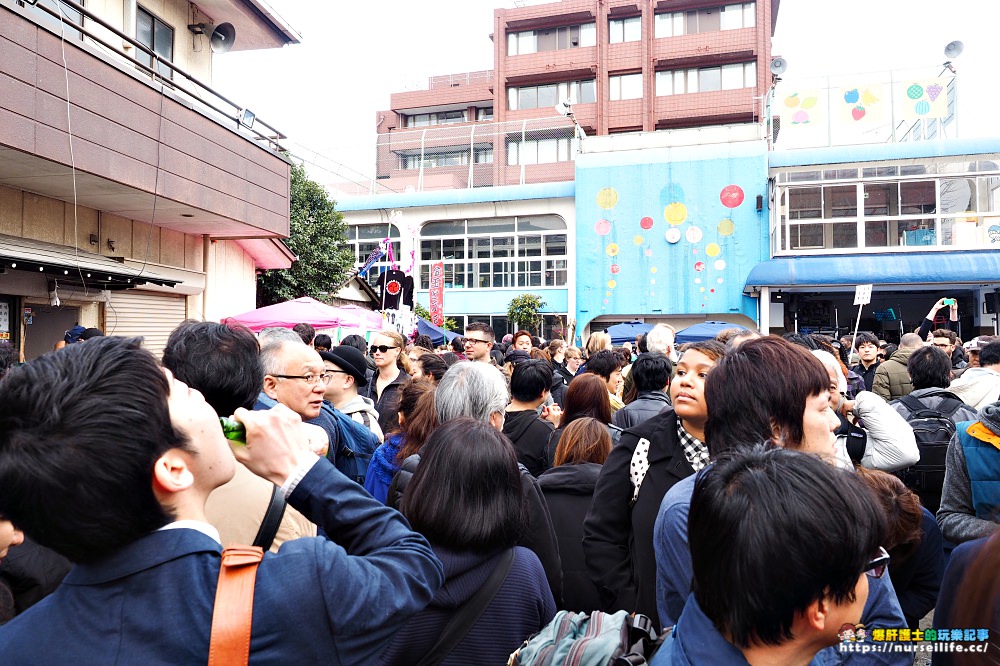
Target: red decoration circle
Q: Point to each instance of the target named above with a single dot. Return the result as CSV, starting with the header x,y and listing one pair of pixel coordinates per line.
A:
x,y
393,287
615,268
731,196
646,223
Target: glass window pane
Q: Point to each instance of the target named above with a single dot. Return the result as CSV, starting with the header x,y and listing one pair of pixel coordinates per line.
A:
x,y
749,15
527,98
664,83
526,42
878,196
843,202
709,78
732,17
750,75
876,234
845,234
547,96
512,153
492,225
588,92
546,40
541,223
732,76
481,248
588,34
547,151
511,43
616,32
680,86
916,197
662,25
632,86
555,245
529,246
444,228
512,98
692,81
709,20
633,29
805,203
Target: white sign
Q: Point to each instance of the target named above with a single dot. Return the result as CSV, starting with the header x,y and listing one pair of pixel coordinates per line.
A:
x,y
863,294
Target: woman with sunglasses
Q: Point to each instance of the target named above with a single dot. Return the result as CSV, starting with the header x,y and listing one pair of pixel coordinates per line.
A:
x,y
392,372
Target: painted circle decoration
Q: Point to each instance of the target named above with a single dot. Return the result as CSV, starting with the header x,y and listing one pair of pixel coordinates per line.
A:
x,y
612,284
607,198
720,264
713,250
727,227
602,228
915,91
638,240
923,107
671,192
675,213
615,268
649,252
673,235
731,196
693,235
653,269
646,223
699,266
697,280
612,250
720,280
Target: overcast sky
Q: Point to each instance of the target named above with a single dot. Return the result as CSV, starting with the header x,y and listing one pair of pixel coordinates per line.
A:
x,y
325,92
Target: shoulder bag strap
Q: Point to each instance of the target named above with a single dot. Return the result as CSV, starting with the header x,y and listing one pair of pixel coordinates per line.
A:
x,y
467,614
233,614
272,520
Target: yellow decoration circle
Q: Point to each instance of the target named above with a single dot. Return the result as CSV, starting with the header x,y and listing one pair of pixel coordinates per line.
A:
x,y
675,213
612,284
612,250
653,269
607,198
713,250
638,240
726,227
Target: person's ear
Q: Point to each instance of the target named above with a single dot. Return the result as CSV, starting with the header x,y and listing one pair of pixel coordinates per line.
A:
x,y
270,387
497,419
172,473
814,617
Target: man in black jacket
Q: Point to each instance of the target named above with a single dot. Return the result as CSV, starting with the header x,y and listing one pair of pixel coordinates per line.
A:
x,y
529,388
651,374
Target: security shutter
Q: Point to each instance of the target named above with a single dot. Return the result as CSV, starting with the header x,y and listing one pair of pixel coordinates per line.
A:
x,y
147,314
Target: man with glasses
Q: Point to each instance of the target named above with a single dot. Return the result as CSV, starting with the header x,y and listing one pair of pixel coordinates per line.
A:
x,y
479,341
348,368
783,546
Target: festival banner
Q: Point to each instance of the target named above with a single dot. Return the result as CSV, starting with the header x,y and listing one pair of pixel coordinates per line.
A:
x,y
437,293
923,98
376,254
862,104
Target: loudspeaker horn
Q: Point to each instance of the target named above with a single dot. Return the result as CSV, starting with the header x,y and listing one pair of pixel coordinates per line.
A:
x,y
778,66
223,38
954,49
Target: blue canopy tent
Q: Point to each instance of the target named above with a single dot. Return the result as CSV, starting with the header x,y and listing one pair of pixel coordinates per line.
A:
x,y
438,336
627,331
706,330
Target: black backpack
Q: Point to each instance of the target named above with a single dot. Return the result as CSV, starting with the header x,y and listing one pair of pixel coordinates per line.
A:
x,y
933,430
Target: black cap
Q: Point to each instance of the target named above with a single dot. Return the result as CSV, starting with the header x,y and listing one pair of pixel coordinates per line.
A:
x,y
350,360
91,333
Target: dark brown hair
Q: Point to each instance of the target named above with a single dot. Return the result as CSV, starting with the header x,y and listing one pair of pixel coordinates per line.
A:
x,y
416,404
585,440
586,395
902,513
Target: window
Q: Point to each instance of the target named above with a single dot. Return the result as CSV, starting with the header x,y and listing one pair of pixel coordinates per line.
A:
x,y
541,151
728,17
158,37
551,39
625,86
706,79
364,239
625,30
541,96
496,252
445,158
484,113
439,118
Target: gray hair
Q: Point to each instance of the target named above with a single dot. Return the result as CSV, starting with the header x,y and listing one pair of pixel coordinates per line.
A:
x,y
660,338
470,389
271,352
910,341
276,334
832,365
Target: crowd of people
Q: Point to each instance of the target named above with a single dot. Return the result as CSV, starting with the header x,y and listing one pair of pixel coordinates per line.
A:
x,y
752,495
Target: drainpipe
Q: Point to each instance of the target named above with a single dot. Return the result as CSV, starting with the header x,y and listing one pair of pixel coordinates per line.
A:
x,y
205,255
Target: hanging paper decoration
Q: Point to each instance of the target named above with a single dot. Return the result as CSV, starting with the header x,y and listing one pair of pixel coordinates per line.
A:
x,y
437,293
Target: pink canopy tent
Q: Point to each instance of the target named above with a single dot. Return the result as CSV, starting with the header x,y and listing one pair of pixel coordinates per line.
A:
x,y
309,311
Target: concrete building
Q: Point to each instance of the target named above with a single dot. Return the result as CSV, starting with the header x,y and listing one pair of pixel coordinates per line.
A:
x,y
132,195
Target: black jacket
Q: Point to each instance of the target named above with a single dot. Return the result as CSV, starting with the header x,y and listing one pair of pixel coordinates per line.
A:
x,y
561,377
568,491
538,536
646,406
617,537
529,434
387,404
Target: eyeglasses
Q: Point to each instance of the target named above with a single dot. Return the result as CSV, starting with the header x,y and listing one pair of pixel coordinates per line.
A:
x,y
380,348
310,379
877,567
474,341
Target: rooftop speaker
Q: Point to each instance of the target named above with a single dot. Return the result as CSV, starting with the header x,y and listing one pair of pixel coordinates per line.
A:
x,y
954,49
223,38
778,66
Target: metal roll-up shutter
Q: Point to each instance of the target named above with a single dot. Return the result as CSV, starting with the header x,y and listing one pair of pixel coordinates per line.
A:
x,y
147,314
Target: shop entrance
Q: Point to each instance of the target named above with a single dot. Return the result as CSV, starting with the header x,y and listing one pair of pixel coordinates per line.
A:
x,y
48,325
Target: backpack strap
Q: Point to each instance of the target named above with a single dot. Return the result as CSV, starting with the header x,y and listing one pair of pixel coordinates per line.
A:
x,y
466,615
272,520
233,614
638,467
950,403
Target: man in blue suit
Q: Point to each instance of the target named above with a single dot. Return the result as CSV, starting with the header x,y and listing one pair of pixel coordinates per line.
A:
x,y
107,459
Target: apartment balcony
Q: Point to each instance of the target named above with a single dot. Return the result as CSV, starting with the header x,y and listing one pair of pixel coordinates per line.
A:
x,y
154,146
708,108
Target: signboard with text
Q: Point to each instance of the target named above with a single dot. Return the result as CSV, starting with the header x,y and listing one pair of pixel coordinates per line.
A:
x,y
437,293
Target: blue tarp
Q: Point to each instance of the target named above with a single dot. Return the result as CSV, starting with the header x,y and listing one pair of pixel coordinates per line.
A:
x,y
437,335
627,331
706,330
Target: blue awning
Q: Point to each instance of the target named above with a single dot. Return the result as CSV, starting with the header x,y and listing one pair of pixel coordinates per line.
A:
x,y
902,268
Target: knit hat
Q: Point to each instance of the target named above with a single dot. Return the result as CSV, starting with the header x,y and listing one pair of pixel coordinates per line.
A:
x,y
990,416
350,360
73,334
515,356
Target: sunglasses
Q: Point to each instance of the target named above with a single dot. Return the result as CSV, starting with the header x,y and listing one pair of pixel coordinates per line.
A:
x,y
877,567
381,348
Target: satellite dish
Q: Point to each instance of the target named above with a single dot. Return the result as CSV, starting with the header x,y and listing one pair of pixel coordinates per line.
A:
x,y
223,38
778,66
954,49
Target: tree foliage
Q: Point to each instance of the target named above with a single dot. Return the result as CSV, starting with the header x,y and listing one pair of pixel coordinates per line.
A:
x,y
318,237
524,310
449,323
